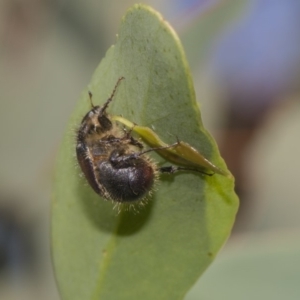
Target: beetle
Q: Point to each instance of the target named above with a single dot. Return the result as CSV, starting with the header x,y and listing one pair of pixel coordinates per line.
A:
x,y
115,164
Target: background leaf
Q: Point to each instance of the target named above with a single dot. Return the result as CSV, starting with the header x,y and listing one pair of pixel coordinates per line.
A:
x,y
160,252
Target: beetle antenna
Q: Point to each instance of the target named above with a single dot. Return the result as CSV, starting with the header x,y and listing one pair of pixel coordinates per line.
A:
x,y
91,100
105,105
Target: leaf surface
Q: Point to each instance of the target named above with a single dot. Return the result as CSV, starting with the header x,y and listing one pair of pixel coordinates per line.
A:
x,y
161,251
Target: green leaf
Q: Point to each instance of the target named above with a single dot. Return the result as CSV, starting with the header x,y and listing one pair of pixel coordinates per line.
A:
x,y
159,252
180,153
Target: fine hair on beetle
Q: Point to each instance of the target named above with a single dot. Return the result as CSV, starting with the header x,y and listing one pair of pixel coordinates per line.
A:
x,y
114,163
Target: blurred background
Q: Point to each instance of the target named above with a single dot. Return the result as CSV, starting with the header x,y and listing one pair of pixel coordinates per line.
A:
x,y
245,60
